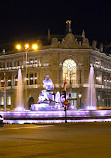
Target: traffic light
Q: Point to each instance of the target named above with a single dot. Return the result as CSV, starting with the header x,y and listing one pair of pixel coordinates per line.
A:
x,y
64,94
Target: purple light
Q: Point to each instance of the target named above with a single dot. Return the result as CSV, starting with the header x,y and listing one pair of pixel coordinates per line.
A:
x,y
54,114
54,121
20,108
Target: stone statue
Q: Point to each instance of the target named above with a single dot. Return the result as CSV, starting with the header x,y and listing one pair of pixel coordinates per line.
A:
x,y
47,83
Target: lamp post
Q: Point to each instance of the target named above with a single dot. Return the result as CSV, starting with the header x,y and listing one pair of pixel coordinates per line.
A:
x,y
4,94
80,95
26,48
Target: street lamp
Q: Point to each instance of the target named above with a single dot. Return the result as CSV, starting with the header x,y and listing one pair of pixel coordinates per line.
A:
x,y
4,94
80,95
34,46
18,46
26,47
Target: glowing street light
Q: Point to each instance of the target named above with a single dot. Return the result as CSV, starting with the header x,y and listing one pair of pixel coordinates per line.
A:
x,y
34,46
26,46
18,46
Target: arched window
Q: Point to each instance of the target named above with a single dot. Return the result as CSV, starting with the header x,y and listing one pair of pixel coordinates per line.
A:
x,y
69,72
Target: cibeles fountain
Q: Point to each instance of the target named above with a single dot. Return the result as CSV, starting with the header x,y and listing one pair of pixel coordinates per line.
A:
x,y
47,100
50,107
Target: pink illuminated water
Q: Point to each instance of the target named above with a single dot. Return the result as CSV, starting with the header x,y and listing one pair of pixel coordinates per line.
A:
x,y
19,94
91,93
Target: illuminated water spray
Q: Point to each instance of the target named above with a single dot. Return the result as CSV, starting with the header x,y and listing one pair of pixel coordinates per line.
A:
x,y
91,96
19,94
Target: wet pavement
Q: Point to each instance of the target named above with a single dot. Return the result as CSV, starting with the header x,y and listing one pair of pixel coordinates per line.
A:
x,y
71,140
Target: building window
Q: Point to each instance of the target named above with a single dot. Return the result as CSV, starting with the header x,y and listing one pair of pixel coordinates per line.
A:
x,y
35,61
16,79
9,81
18,63
69,72
2,101
35,78
31,79
3,65
2,81
14,63
27,79
98,78
73,95
97,63
8,100
31,61
10,64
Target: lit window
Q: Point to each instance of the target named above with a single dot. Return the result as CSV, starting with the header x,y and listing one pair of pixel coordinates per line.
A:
x,y
9,100
31,79
2,101
35,78
69,71
35,61
31,61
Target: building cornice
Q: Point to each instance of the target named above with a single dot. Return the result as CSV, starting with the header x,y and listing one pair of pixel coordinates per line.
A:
x,y
103,55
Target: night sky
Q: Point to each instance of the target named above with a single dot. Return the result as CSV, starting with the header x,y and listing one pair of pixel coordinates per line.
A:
x,y
20,20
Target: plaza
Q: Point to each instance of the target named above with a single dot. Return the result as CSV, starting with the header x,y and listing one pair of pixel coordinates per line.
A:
x,y
55,79
56,140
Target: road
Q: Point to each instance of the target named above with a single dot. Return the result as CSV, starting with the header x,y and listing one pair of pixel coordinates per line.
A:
x,y
75,140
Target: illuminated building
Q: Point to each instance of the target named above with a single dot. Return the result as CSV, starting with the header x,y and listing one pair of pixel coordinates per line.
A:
x,y
70,59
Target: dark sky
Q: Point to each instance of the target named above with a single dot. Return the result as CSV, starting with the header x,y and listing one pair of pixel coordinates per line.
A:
x,y
29,19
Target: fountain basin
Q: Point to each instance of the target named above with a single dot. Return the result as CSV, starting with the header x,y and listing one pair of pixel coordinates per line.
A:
x,y
54,114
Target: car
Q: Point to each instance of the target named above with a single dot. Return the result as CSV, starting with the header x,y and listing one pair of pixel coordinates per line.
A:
x,y
1,121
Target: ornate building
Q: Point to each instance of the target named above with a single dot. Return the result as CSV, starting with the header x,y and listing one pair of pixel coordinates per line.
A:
x,y
69,58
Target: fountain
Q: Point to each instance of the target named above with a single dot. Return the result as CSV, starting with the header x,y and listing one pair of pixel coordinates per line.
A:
x,y
47,101
50,107
91,92
19,93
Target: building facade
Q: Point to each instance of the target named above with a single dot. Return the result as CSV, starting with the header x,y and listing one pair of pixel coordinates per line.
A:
x,y
68,59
